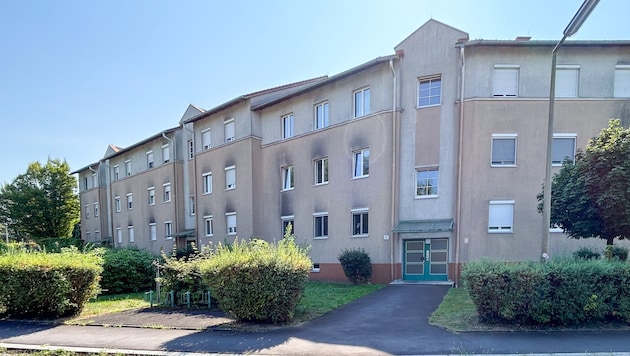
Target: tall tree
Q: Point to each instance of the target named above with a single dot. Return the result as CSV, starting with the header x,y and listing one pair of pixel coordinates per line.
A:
x,y
41,202
591,196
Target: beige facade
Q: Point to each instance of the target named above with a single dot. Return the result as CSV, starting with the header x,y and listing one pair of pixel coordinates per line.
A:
x,y
425,159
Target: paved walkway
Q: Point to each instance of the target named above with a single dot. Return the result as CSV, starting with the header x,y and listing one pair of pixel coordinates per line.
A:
x,y
392,320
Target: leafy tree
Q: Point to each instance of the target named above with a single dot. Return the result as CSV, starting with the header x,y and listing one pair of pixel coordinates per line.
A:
x,y
41,202
591,196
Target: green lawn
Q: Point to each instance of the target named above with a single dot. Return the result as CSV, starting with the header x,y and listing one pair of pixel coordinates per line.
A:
x,y
106,304
456,312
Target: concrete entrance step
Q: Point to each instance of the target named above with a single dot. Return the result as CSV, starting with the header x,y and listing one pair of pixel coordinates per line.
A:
x,y
433,283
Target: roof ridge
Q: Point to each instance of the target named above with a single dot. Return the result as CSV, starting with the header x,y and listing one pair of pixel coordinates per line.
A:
x,y
285,86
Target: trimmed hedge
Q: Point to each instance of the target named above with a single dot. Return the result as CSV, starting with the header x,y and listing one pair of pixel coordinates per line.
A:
x,y
128,270
356,265
559,292
47,285
256,280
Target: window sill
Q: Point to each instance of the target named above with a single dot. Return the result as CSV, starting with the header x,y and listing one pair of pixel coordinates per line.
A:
x,y
503,165
359,236
320,238
168,238
427,197
209,235
500,231
232,188
206,193
360,177
428,106
320,184
288,189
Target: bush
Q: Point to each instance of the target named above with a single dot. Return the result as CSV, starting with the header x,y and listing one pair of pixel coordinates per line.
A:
x,y
128,270
559,292
356,265
55,244
47,285
182,273
585,253
256,280
616,253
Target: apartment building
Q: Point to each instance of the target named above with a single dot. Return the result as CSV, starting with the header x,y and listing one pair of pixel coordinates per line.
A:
x,y
426,159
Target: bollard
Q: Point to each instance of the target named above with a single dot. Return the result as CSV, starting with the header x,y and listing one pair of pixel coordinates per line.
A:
x,y
172,294
187,299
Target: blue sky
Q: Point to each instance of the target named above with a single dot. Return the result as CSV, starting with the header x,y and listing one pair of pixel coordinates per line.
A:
x,y
76,76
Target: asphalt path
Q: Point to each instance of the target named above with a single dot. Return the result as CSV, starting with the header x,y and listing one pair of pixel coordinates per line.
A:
x,y
393,320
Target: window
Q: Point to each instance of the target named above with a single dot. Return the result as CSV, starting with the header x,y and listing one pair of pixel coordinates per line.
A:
x,y
286,221
168,230
207,222
229,130
427,182
360,223
500,216
153,231
622,81
361,163
129,201
151,196
231,223
192,205
321,115
567,81
166,154
87,211
94,180
128,168
288,181
362,102
150,159
321,171
119,237
206,140
132,237
230,177
167,192
429,92
117,204
85,183
563,147
287,126
207,183
116,172
97,235
95,210
321,225
87,236
503,150
505,80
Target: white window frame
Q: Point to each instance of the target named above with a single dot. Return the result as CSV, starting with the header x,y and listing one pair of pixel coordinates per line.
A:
x,y
500,224
286,220
192,205
359,168
206,139
119,235
513,137
87,211
191,149
360,105
230,177
97,235
168,230
321,218
166,153
151,192
117,204
153,231
167,192
94,180
229,129
322,115
207,182
431,92
208,225
131,234
567,81
622,81
96,210
230,223
288,126
116,172
563,136
362,215
88,235
129,201
321,166
128,167
503,78
150,160
434,190
288,177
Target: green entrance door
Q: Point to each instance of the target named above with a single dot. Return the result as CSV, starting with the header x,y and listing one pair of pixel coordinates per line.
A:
x,y
425,260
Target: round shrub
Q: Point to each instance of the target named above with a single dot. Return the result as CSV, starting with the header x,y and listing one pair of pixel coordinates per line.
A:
x,y
356,265
127,270
256,280
47,285
616,253
181,273
585,253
